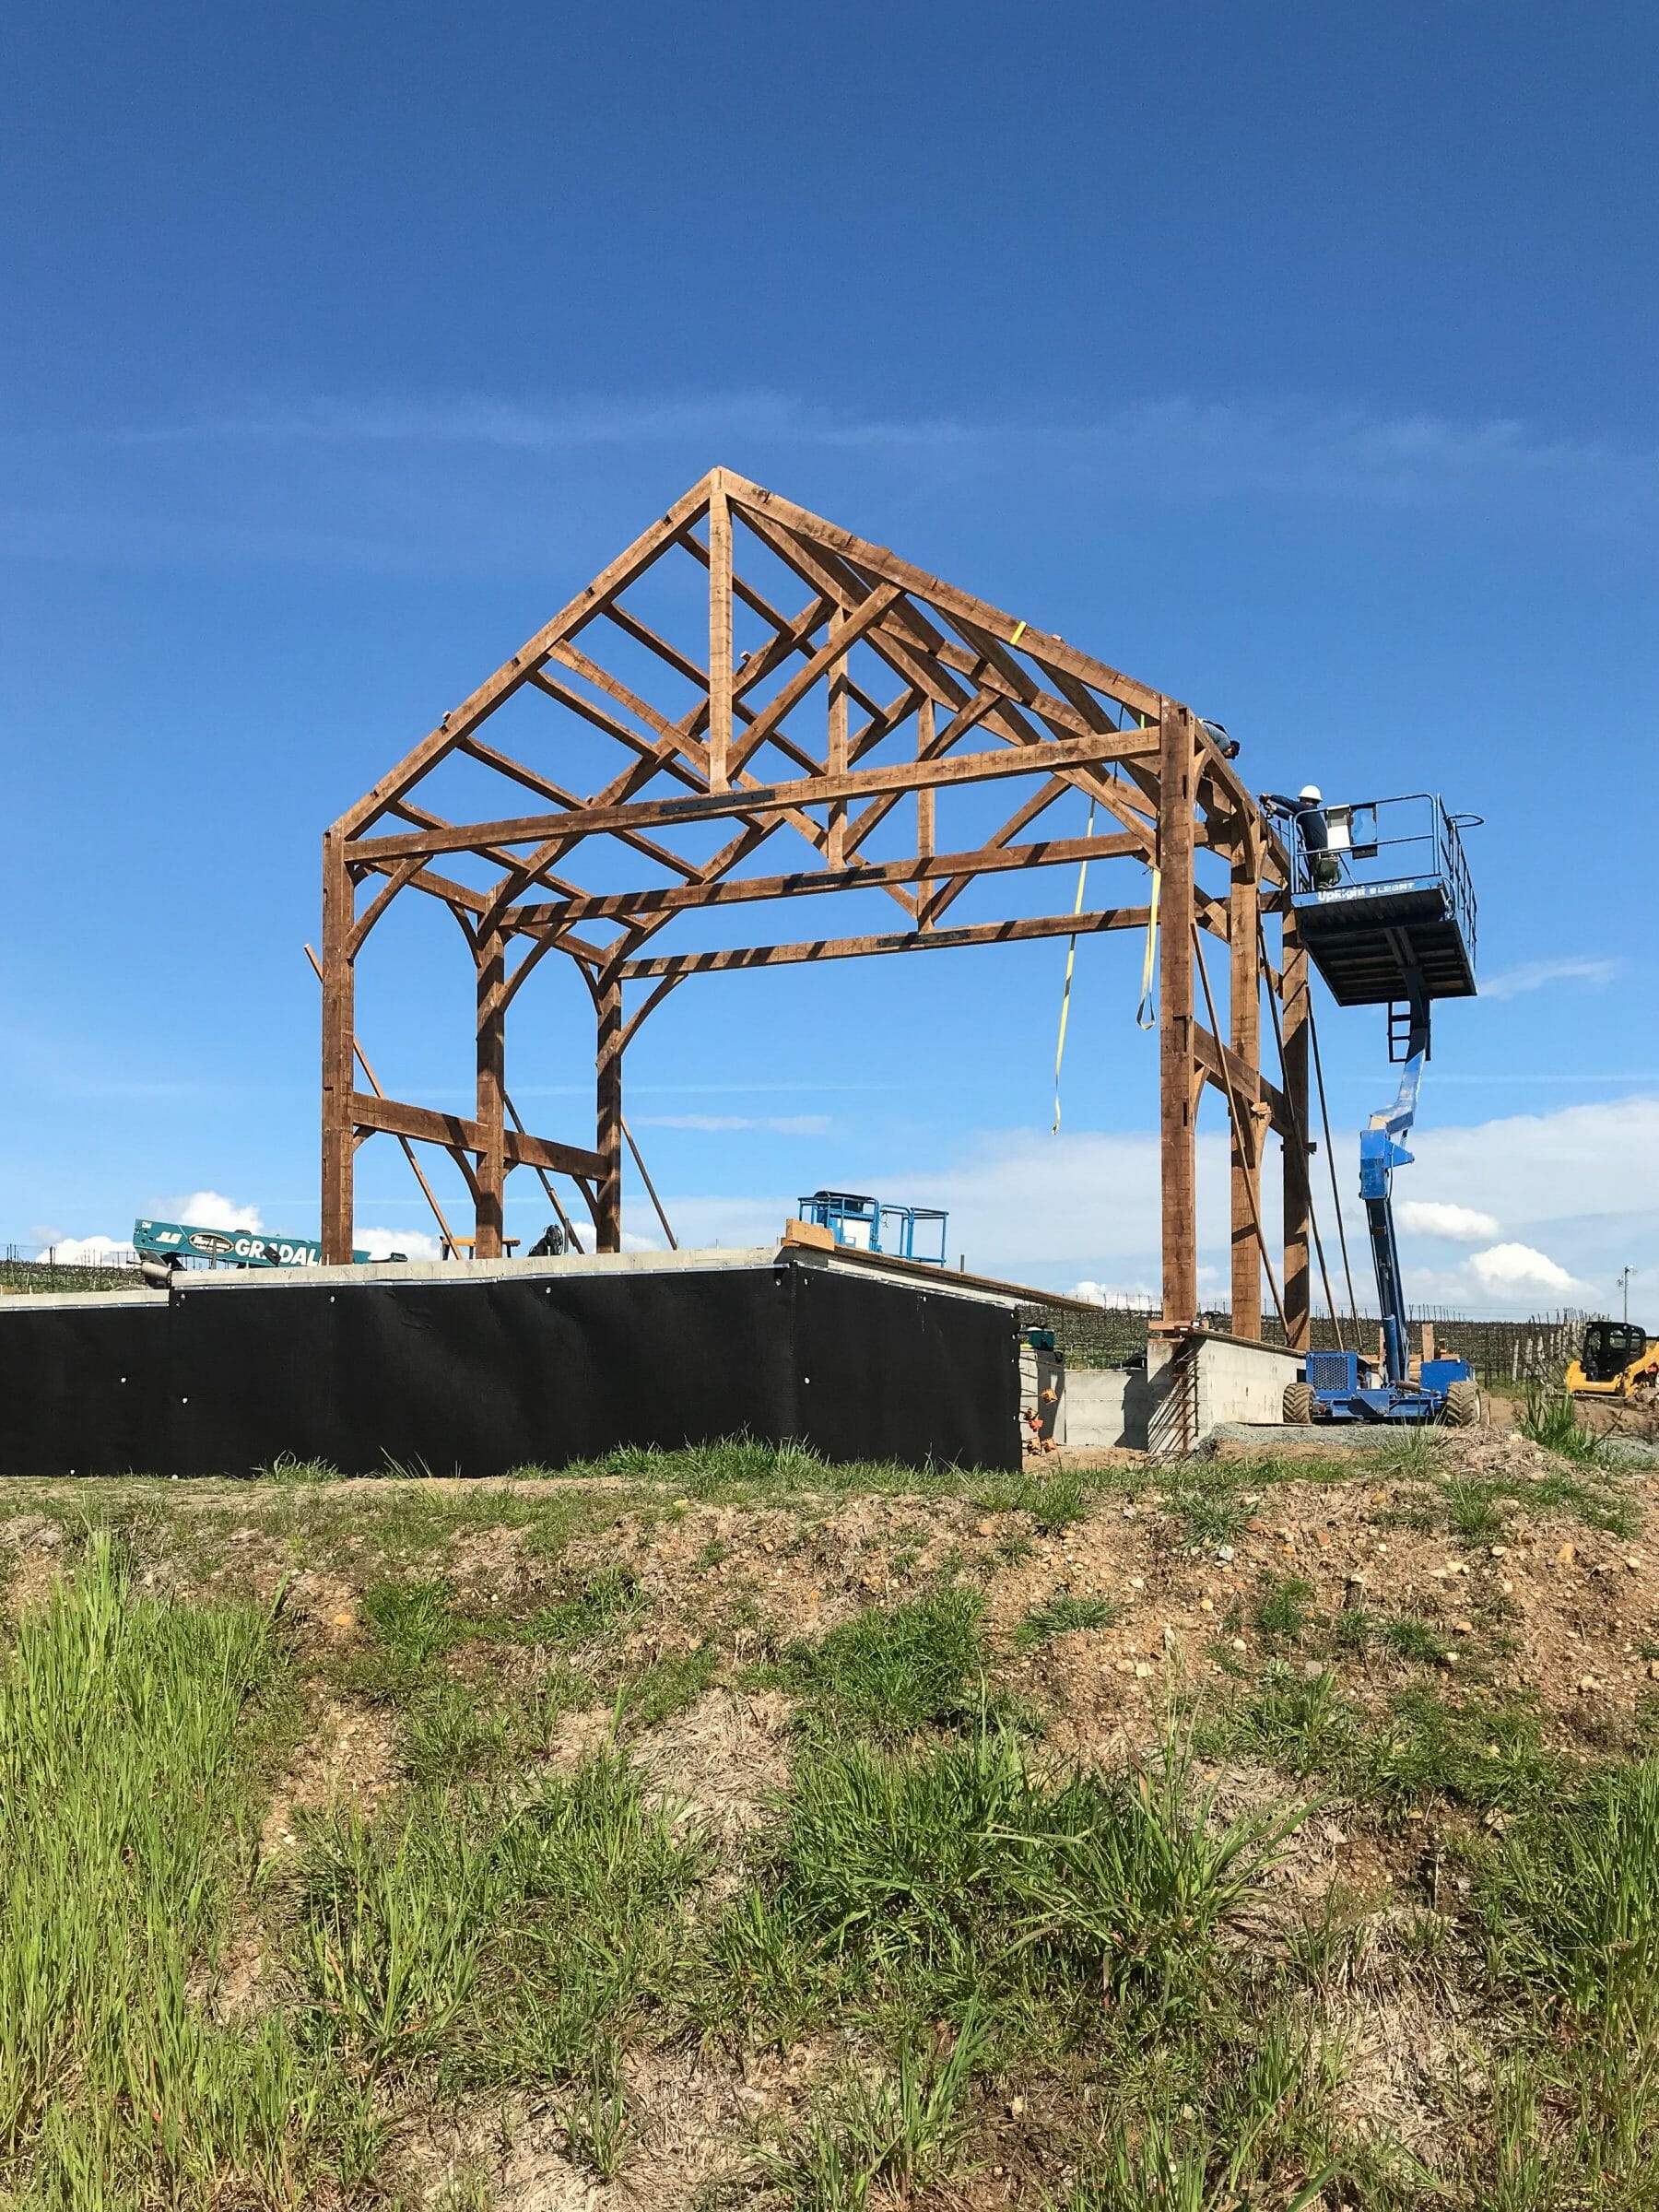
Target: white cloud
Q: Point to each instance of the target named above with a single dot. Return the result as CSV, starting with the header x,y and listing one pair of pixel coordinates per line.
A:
x,y
211,1209
1536,975
1176,446
784,1125
1434,1217
380,1243
1506,1269
1556,1203
87,1251
1529,1169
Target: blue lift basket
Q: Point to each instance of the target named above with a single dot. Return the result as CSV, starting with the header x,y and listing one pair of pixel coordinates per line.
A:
x,y
898,1232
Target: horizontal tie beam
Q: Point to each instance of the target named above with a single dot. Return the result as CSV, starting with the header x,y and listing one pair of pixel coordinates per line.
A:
x,y
458,1135
852,948
767,798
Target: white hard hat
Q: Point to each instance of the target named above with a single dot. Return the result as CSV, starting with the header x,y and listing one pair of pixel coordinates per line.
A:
x,y
1309,791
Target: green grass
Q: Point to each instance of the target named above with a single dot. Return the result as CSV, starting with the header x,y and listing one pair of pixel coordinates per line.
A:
x,y
1569,1902
1209,1496
1549,1417
1472,1510
1595,1495
127,1732
1282,1611
1424,1748
501,1939
888,1673
957,1876
1413,1639
900,2129
601,1604
1063,1615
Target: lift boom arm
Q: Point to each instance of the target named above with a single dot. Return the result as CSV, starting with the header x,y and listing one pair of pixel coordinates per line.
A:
x,y
1379,1154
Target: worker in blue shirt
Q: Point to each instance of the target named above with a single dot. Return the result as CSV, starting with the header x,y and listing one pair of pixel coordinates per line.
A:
x,y
1306,812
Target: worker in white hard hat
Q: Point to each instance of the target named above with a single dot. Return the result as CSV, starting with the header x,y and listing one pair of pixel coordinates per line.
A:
x,y
1306,813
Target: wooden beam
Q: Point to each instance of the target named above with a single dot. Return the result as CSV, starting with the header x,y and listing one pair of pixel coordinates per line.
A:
x,y
810,791
460,895
458,1135
1297,1197
1176,1056
924,797
857,876
607,1194
907,643
1219,1065
836,760
720,641
1052,653
844,631
492,1049
338,900
852,948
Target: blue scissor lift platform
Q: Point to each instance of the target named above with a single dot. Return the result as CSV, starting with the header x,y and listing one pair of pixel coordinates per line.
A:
x,y
1386,912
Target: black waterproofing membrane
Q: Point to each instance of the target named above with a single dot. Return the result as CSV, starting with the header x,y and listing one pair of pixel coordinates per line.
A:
x,y
477,1376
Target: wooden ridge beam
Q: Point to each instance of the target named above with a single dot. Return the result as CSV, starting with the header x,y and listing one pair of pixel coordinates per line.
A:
x,y
455,1133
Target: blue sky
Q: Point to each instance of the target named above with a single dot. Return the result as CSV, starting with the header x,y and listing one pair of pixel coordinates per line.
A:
x,y
1299,362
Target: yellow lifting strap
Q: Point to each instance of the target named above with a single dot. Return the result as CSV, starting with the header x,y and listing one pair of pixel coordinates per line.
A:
x,y
1146,1014
1071,962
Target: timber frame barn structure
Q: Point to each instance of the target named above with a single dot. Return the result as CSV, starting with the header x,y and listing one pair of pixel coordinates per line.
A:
x,y
858,707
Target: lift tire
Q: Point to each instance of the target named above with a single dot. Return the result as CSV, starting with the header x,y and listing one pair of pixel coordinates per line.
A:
x,y
1462,1405
1298,1404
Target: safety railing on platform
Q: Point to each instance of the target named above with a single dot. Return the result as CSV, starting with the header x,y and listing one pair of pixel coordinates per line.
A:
x,y
1373,843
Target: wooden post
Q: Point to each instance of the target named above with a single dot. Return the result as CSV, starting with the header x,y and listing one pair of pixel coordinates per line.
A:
x,y
608,1208
720,637
835,838
1298,1201
1177,1067
338,1016
1245,1018
489,1205
924,797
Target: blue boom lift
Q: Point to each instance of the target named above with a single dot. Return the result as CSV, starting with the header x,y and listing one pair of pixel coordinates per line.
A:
x,y
1387,914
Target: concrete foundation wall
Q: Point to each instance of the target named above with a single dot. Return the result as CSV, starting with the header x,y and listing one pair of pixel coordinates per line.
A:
x,y
1235,1381
1094,1404
1242,1381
